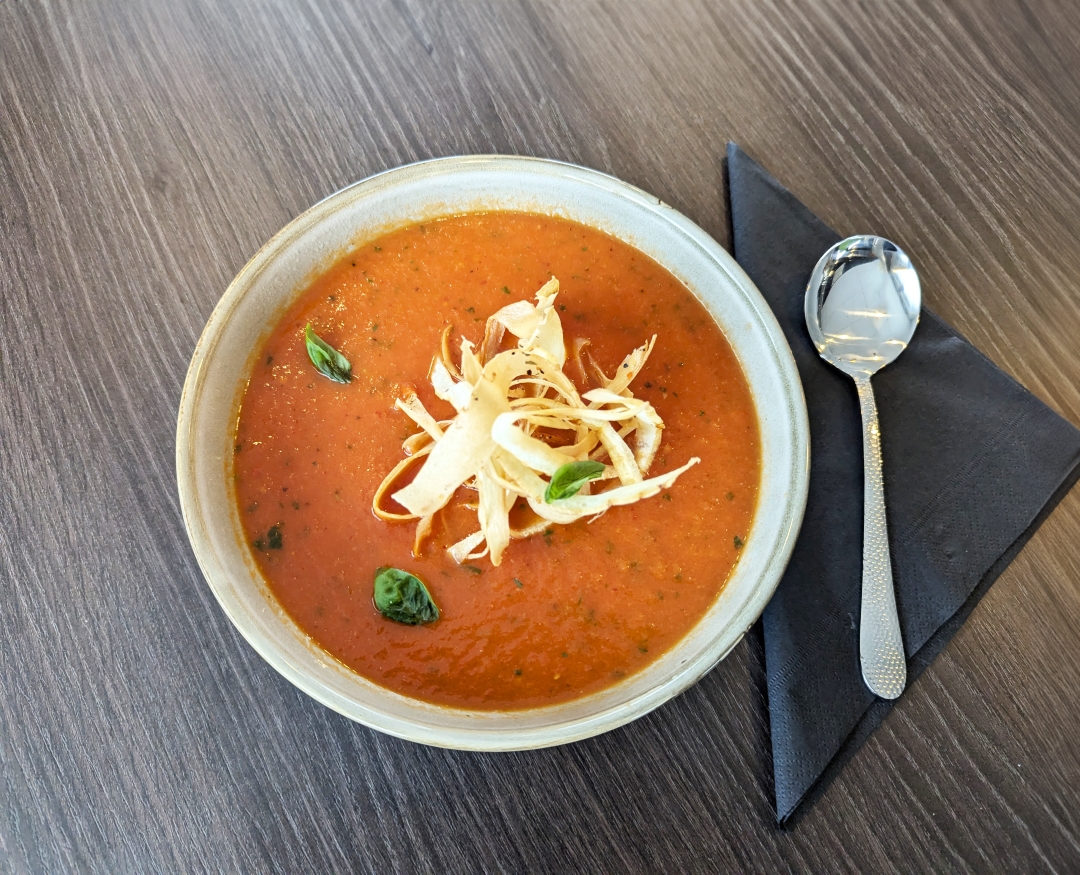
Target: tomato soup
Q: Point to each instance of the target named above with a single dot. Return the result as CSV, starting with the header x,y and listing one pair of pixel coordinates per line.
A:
x,y
568,611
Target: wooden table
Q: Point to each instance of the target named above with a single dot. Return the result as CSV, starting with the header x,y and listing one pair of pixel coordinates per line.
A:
x,y
148,149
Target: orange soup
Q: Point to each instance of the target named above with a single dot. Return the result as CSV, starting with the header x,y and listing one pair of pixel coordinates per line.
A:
x,y
568,611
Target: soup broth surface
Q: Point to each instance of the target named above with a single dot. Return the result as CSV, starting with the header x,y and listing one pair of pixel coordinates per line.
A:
x,y
568,612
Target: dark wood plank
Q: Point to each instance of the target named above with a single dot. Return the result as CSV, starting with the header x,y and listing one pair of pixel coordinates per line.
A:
x,y
147,150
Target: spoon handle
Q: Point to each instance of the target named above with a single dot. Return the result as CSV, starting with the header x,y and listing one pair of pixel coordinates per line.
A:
x,y
880,646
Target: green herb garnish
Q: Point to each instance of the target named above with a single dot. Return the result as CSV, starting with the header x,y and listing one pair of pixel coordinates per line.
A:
x,y
272,541
569,478
327,360
402,597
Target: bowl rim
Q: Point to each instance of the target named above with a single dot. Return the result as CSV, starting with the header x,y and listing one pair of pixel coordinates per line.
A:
x,y
487,738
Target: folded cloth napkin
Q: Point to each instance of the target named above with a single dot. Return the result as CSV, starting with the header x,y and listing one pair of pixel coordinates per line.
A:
x,y
973,463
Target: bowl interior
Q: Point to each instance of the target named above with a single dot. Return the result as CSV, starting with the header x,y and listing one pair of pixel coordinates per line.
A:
x,y
311,243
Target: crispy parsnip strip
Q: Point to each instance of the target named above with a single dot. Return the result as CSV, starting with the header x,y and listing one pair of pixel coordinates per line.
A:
x,y
414,408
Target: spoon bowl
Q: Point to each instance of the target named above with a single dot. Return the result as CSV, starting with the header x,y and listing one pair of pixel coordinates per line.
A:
x,y
862,306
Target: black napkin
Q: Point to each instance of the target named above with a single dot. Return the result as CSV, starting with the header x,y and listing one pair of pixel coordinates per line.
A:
x,y
973,463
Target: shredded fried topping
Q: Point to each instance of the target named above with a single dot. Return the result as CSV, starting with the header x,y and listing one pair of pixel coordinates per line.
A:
x,y
509,403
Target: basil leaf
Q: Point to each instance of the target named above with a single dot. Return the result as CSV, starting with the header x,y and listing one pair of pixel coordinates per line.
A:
x,y
327,360
569,478
402,597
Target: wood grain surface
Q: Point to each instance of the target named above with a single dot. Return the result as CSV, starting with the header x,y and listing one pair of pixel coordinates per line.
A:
x,y
148,149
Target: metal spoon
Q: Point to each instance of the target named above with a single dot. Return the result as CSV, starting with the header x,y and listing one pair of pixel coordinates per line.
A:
x,y
862,306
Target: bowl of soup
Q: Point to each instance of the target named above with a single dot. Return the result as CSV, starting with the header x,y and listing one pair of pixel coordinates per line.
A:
x,y
570,625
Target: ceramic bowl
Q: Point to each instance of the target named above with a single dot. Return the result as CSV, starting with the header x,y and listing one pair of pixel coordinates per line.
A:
x,y
280,271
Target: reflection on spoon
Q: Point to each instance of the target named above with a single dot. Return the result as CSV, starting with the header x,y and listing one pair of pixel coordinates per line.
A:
x,y
862,305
